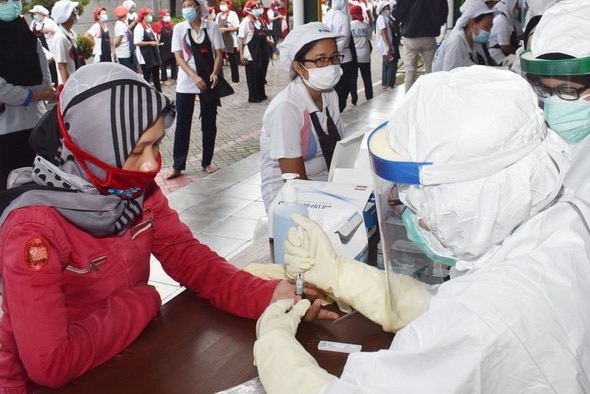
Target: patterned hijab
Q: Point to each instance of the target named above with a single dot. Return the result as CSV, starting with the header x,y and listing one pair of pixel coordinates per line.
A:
x,y
83,143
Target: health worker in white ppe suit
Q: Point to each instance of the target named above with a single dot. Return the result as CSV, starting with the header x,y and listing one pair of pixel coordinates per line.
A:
x,y
558,67
476,166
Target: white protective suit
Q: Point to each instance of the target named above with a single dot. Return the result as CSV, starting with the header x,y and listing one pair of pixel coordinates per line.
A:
x,y
554,34
515,322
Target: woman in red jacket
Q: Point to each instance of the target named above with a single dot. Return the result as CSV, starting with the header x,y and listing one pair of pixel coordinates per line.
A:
x,y
76,239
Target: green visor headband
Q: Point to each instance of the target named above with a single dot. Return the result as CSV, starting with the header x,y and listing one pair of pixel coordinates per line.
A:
x,y
546,67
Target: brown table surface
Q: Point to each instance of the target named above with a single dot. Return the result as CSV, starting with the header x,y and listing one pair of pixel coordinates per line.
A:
x,y
193,347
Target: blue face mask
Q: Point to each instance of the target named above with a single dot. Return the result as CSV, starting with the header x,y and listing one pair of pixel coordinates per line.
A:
x,y
189,14
481,37
415,234
569,119
10,10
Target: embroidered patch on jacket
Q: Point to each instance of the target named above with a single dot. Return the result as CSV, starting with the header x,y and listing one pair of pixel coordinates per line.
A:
x,y
36,254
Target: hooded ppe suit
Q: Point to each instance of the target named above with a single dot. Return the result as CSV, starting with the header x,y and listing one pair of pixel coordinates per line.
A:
x,y
515,321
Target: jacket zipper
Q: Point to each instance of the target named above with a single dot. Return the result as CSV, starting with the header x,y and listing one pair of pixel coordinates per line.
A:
x,y
93,266
141,227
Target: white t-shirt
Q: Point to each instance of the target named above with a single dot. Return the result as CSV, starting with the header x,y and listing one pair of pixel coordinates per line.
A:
x,y
96,32
122,51
361,33
47,23
181,43
138,33
63,42
287,132
382,23
246,32
232,21
500,34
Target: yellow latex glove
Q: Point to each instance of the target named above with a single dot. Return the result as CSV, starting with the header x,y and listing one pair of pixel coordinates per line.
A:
x,y
284,366
363,287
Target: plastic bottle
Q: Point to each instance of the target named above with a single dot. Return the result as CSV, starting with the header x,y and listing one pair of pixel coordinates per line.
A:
x,y
281,217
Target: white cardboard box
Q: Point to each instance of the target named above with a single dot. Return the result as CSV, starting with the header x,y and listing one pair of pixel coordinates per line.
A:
x,y
331,205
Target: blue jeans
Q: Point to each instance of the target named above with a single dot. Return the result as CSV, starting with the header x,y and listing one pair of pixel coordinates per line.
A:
x,y
185,108
388,71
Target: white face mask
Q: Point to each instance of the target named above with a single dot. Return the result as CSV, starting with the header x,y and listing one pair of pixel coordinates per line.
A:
x,y
323,78
223,8
166,18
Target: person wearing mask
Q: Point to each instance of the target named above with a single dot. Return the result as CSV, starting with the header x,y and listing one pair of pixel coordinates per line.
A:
x,y
506,32
164,28
65,47
197,45
147,47
131,13
302,124
44,28
420,23
228,22
99,36
504,322
25,85
338,21
123,38
558,68
76,241
386,44
458,49
361,35
275,19
254,49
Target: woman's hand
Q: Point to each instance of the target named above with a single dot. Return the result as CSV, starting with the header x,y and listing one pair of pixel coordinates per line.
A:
x,y
213,79
286,289
199,82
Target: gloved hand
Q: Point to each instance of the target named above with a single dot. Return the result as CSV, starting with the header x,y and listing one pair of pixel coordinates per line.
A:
x,y
284,366
363,287
509,60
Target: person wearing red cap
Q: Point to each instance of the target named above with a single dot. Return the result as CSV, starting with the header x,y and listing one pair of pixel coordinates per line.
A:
x,y
123,37
98,34
254,49
164,28
147,44
361,35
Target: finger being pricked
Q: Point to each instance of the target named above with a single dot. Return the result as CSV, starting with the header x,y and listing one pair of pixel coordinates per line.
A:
x,y
315,311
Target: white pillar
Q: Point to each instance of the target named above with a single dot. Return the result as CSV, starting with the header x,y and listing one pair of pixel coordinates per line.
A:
x,y
298,17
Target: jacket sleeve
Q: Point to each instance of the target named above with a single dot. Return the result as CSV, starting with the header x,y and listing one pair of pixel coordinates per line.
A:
x,y
200,269
54,349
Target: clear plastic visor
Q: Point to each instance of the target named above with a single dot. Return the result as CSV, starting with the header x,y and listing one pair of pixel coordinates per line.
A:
x,y
568,79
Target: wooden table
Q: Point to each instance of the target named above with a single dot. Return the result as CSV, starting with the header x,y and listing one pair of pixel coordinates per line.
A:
x,y
193,347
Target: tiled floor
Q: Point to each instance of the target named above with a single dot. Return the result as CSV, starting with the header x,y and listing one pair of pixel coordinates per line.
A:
x,y
225,210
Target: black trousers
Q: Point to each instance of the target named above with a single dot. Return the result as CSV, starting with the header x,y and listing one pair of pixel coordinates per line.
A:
x,y
152,74
15,152
365,69
255,76
173,69
344,85
233,65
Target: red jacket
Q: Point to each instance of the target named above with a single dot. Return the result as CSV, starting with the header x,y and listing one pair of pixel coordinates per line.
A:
x,y
72,301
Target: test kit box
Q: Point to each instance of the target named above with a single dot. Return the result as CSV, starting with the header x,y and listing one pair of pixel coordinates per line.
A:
x,y
339,209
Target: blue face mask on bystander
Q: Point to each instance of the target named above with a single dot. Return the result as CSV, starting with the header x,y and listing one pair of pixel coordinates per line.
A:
x,y
481,37
189,14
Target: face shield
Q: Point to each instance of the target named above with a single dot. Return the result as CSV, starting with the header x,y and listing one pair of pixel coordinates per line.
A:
x,y
558,68
464,160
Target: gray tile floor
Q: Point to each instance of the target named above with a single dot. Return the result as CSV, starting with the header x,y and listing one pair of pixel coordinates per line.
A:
x,y
225,210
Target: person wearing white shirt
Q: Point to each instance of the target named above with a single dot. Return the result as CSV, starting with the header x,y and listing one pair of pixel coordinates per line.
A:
x,y
228,22
65,47
122,35
197,45
338,20
99,35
